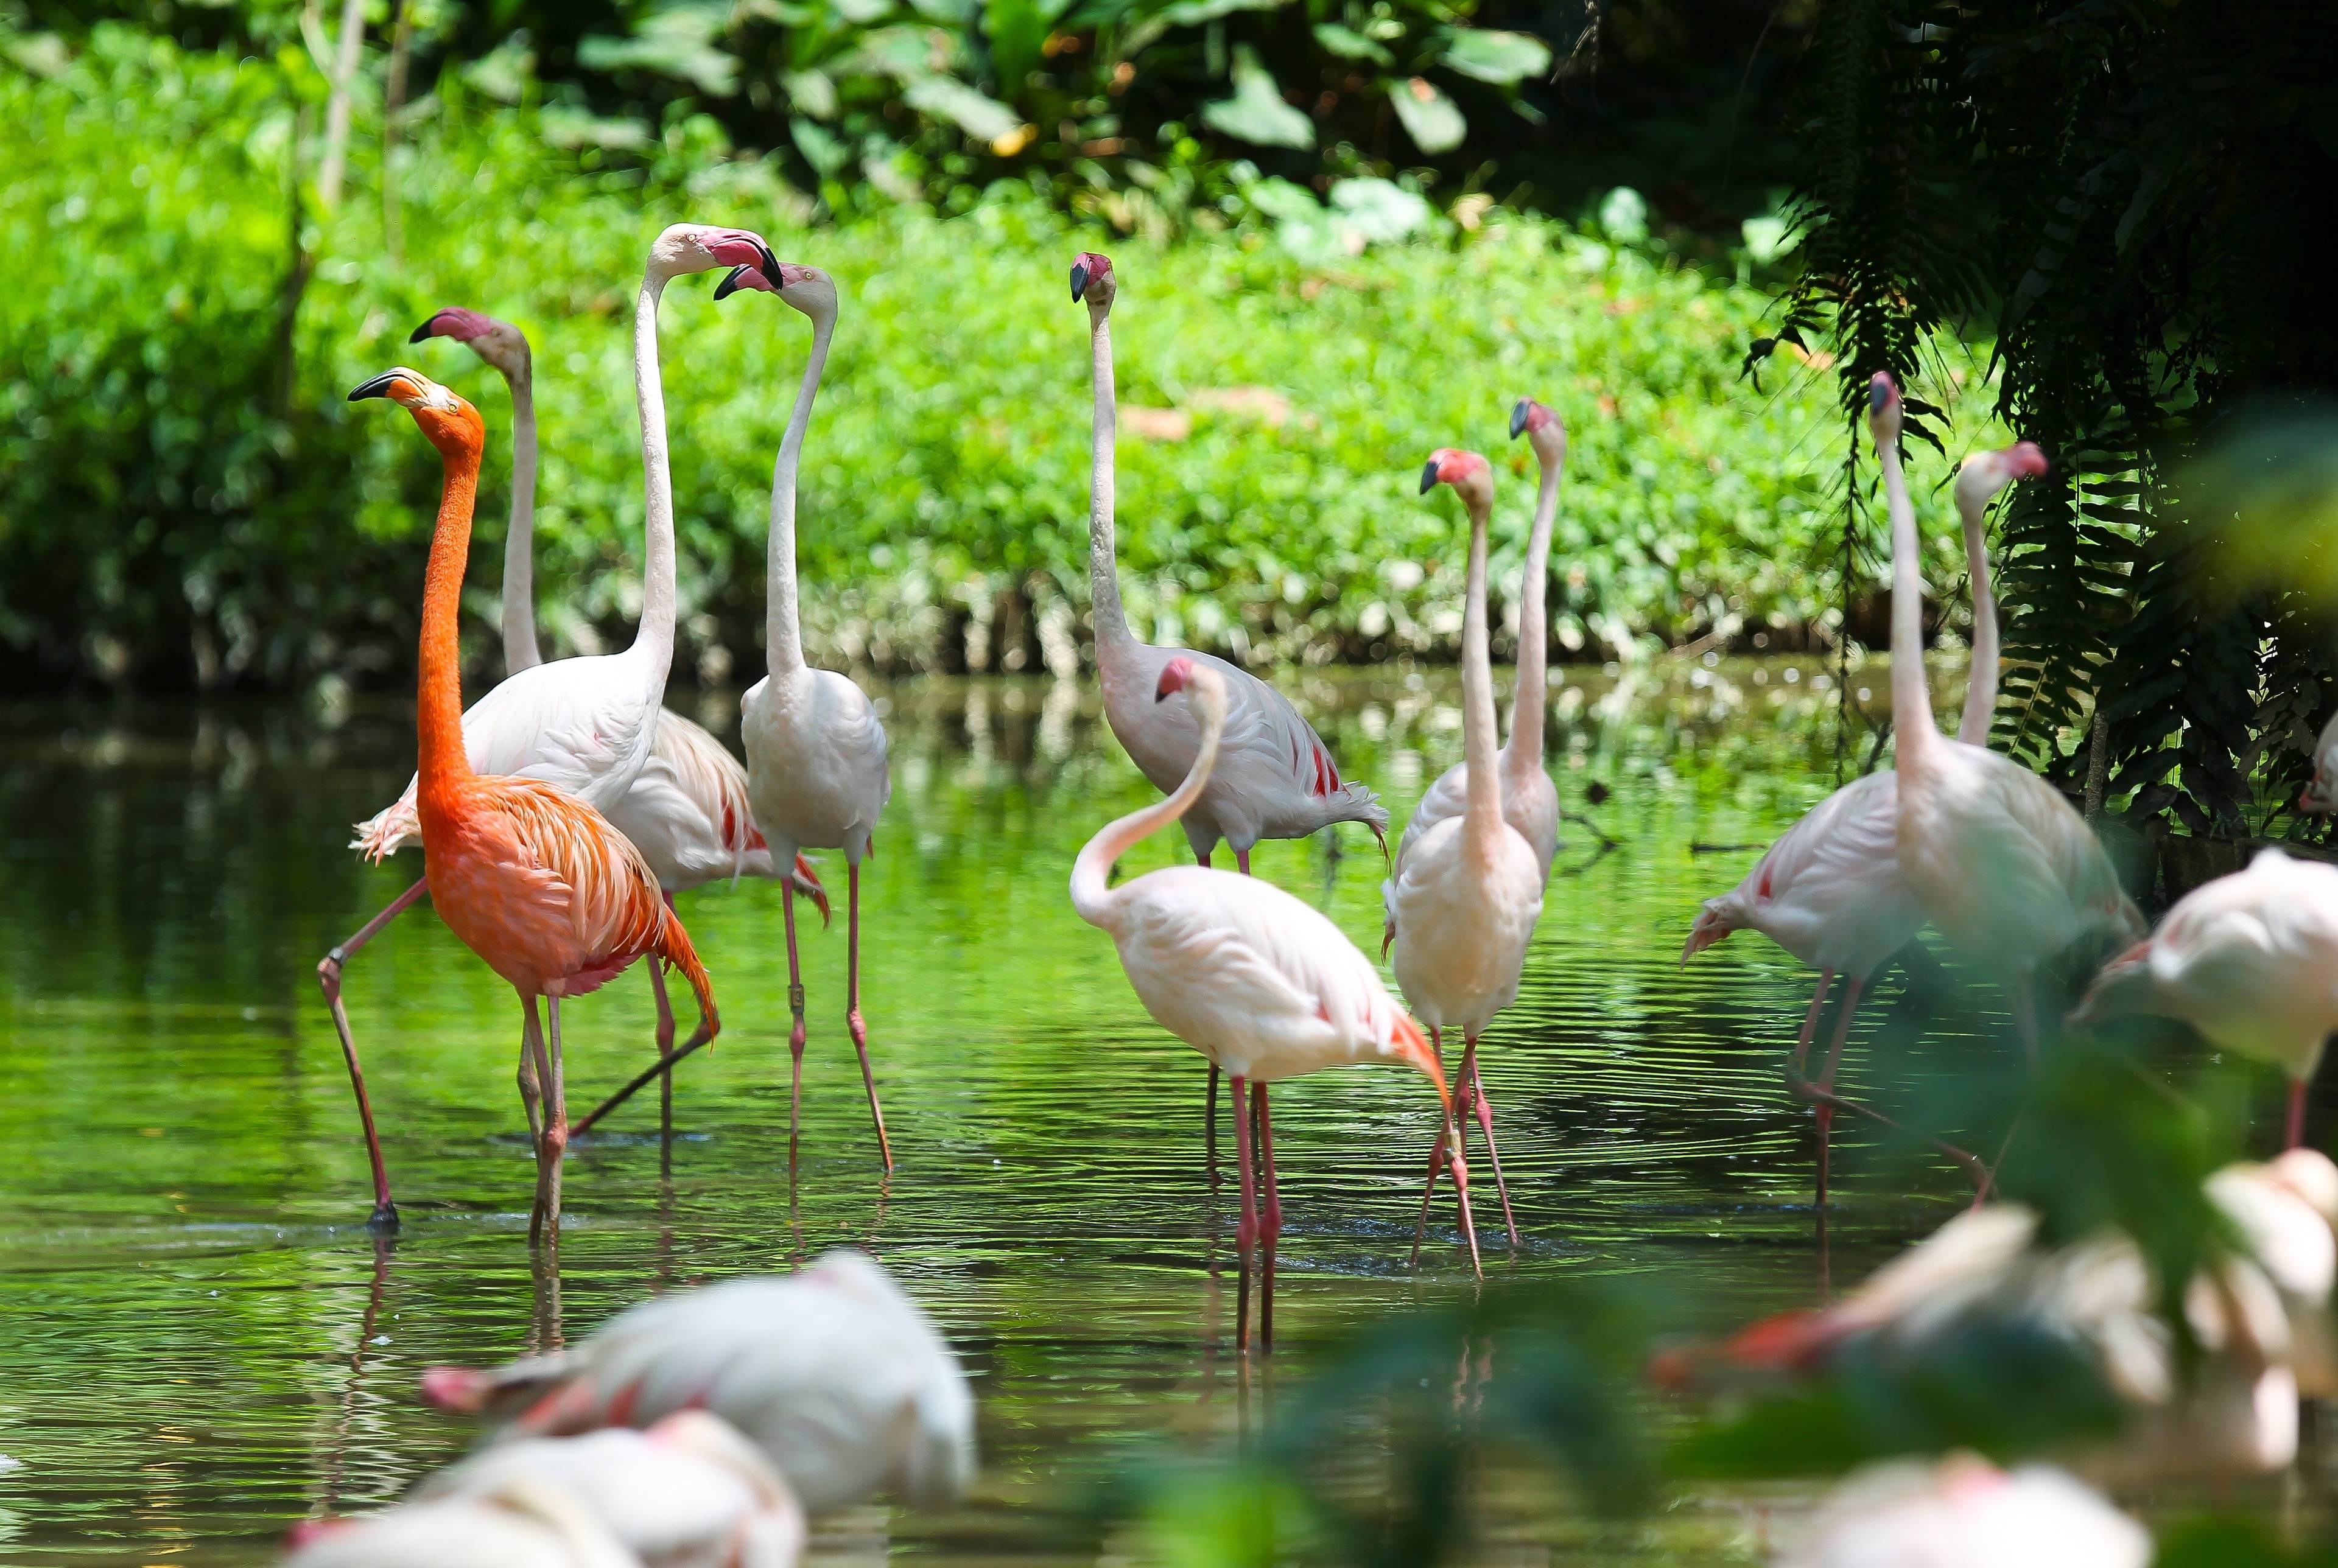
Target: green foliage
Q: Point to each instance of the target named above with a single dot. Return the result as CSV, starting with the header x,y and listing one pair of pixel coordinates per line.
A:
x,y
168,509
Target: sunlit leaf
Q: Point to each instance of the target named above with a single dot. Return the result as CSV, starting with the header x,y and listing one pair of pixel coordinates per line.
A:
x,y
1624,215
860,13
820,147
1431,119
503,73
1380,210
1497,57
976,113
813,92
1256,113
564,126
1189,13
41,54
676,43
1349,44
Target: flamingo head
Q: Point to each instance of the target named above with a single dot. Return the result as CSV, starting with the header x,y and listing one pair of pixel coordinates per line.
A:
x,y
1092,280
1883,409
1715,922
1471,477
1203,686
499,343
452,424
808,288
1542,430
701,248
1982,475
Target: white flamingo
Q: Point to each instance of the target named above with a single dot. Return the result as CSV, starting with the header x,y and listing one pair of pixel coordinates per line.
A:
x,y
816,768
586,725
1467,890
1275,779
690,1492
833,1372
1962,1512
1830,890
1258,982
2249,960
687,811
521,1523
2320,796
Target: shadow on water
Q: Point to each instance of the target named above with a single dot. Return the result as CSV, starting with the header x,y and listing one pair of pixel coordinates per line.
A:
x,y
199,1341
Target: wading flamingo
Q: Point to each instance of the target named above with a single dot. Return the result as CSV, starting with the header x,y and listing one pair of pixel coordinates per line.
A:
x,y
690,1492
1255,980
1275,778
816,769
2249,960
1467,890
687,811
1830,890
1962,1512
834,1373
1999,862
532,879
522,1524
586,725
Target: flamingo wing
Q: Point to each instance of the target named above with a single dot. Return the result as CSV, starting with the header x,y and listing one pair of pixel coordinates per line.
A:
x,y
614,909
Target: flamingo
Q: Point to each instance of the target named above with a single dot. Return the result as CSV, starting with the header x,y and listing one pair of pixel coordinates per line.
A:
x,y
2320,796
1830,890
687,811
1467,890
1276,778
2249,960
834,1373
521,1523
529,875
690,1492
1962,1512
1998,861
1257,981
816,763
585,725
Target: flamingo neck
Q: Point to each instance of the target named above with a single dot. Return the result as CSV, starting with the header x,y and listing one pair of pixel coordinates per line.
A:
x,y
782,632
1111,623
1981,684
1911,705
1095,901
654,642
445,766
1522,754
519,540
1481,816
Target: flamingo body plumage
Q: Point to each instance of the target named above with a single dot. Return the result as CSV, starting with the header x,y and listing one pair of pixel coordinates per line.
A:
x,y
525,1523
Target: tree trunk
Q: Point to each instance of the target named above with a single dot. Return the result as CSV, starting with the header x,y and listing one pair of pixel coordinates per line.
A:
x,y
337,105
401,45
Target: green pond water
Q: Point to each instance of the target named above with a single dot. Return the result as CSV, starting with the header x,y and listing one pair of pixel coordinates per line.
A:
x,y
200,1343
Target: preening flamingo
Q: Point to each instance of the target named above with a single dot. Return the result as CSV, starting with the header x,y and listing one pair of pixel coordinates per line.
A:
x,y
1258,982
521,1523
834,1373
816,768
687,811
532,878
1999,862
1274,777
1962,1512
2249,960
585,725
1467,890
690,1492
1830,890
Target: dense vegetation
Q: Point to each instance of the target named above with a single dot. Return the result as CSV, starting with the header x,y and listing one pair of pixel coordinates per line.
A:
x,y
184,499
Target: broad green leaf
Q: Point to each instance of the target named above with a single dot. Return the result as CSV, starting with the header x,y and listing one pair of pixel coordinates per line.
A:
x,y
1017,29
1256,113
1624,215
676,43
1768,238
976,114
1349,44
1380,210
1431,119
1190,13
819,146
813,92
862,13
563,127
1497,57
504,72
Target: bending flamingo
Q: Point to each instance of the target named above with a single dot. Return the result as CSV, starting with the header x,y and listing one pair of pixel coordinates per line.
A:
x,y
2249,960
1468,889
1276,778
1255,980
815,768
586,725
532,879
687,811
1830,890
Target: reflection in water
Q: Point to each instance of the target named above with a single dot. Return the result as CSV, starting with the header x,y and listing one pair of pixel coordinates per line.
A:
x,y
201,1343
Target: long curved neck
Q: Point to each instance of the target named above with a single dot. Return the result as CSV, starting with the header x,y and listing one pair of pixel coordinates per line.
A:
x,y
1481,817
1104,566
1522,753
1092,898
782,633
1911,705
1981,684
519,539
445,766
654,642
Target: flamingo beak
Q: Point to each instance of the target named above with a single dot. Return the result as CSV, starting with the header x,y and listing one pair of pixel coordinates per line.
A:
x,y
768,264
425,332
1879,392
1079,279
730,284
1519,417
379,387
1429,477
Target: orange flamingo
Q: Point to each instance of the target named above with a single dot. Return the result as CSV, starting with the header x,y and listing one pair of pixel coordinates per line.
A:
x,y
533,880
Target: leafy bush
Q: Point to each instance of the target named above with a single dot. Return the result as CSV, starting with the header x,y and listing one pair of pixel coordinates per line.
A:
x,y
165,506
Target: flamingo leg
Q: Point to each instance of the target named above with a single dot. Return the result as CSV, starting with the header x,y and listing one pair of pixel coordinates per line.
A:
x,y
1242,861
1209,1125
531,1093
796,1028
852,1019
1485,1108
665,1042
1824,1110
555,1121
1811,1019
1270,1222
329,979
535,1045
1246,1229
1435,1157
2296,1114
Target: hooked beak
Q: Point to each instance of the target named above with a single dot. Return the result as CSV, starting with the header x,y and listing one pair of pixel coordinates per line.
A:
x,y
730,284
379,387
769,264
1879,392
1518,417
1079,279
1429,477
423,333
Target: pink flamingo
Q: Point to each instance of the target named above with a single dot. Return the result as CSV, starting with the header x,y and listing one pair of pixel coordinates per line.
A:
x,y
1467,890
1276,778
532,879
1258,982
1830,890
2249,960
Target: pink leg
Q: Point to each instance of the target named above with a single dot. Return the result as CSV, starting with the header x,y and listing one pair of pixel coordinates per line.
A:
x,y
2296,1114
1246,1229
1272,1225
795,1031
328,978
533,1044
1435,1157
665,1042
555,1121
1824,1110
852,1019
1209,1125
1485,1108
1242,861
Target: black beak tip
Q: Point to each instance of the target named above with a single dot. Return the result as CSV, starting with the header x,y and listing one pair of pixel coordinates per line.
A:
x,y
770,265
1429,477
1879,393
1079,279
1518,417
422,334
373,388
730,284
